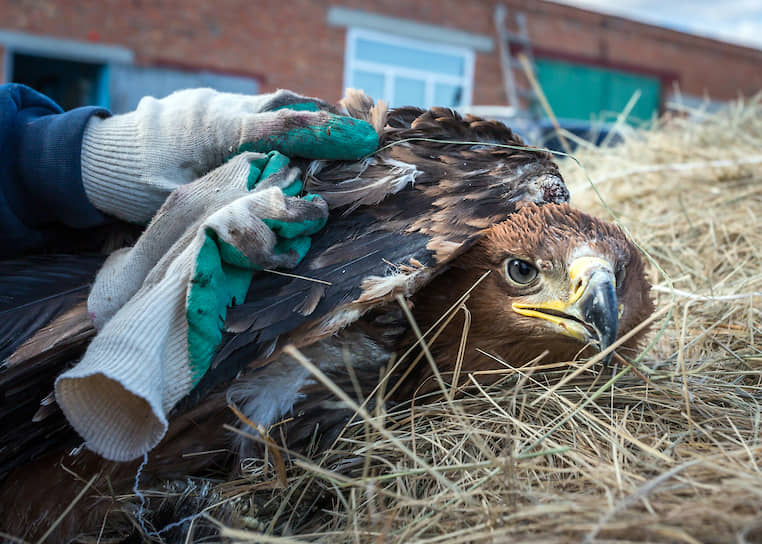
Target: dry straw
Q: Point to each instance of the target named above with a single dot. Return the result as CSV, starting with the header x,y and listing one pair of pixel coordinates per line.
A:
x,y
663,450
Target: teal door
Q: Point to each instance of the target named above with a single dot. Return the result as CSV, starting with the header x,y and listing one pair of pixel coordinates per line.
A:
x,y
577,91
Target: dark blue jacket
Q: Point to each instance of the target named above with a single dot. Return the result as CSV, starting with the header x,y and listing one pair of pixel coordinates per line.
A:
x,y
42,199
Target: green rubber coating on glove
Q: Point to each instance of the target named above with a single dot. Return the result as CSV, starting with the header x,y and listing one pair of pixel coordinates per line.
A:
x,y
300,245
275,163
220,279
299,106
255,172
341,138
261,169
294,188
222,274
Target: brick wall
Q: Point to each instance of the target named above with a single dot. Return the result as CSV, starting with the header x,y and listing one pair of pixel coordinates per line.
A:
x,y
288,43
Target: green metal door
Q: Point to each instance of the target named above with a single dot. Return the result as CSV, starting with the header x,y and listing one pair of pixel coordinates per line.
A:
x,y
577,91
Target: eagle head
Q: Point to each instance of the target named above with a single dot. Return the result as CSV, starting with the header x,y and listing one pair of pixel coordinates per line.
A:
x,y
551,279
562,279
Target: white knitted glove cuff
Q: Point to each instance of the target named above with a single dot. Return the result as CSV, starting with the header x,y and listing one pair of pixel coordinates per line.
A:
x,y
117,423
110,153
135,370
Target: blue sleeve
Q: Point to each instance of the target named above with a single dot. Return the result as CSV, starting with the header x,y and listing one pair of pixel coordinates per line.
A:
x,y
42,197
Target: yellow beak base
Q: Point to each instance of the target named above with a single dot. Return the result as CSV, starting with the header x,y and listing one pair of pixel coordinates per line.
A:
x,y
591,313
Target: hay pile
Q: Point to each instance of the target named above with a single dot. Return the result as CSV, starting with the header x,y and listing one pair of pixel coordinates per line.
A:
x,y
665,450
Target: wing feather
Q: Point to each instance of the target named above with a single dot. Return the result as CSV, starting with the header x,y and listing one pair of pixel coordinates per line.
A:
x,y
34,290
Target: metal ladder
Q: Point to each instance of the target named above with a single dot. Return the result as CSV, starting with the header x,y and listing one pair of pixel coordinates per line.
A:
x,y
534,99
523,61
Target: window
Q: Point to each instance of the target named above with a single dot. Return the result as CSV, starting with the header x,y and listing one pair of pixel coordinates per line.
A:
x,y
407,72
72,73
69,83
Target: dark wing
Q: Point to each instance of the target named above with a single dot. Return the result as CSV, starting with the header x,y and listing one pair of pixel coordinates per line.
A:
x,y
34,290
44,327
42,295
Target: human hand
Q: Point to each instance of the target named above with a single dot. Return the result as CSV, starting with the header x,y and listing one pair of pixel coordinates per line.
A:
x,y
160,306
132,162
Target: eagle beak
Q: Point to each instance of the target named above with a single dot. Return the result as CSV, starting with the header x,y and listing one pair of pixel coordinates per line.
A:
x,y
591,314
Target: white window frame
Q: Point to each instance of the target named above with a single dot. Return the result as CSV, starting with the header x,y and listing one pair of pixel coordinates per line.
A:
x,y
389,71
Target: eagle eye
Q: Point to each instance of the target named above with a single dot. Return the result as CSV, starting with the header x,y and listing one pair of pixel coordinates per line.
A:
x,y
520,272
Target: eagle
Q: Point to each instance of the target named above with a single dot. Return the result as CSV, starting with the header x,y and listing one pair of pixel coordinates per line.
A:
x,y
454,242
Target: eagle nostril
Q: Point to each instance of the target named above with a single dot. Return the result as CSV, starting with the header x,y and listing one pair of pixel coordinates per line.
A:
x,y
576,287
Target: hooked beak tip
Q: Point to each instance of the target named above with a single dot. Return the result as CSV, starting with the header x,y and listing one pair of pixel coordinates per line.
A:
x,y
599,309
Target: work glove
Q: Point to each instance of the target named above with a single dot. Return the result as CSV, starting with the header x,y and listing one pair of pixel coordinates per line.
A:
x,y
160,306
132,162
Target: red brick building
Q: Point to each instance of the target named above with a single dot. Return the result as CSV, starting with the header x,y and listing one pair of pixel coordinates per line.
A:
x,y
426,51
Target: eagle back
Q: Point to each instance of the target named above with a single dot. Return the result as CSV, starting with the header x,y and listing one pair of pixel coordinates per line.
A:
x,y
398,218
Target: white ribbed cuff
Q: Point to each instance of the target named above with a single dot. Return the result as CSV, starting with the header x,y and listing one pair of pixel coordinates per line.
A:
x,y
133,373
112,162
116,423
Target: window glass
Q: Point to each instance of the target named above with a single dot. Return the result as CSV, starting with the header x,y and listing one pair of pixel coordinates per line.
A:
x,y
409,92
446,94
408,57
372,84
408,72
